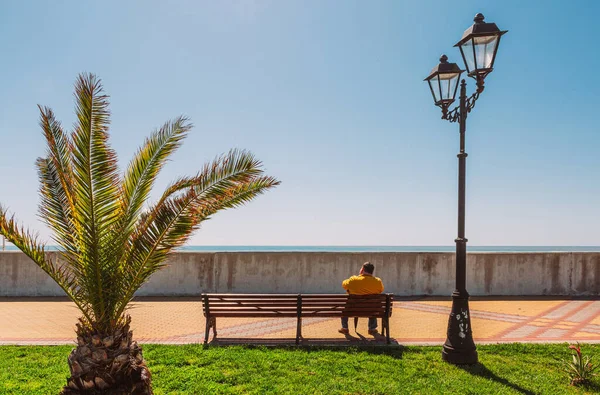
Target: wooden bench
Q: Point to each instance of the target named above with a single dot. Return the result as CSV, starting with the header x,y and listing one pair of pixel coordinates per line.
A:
x,y
295,306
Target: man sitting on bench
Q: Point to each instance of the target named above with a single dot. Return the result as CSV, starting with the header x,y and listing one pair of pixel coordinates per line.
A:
x,y
363,284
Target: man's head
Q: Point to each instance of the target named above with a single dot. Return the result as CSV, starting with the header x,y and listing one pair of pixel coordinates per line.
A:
x,y
367,268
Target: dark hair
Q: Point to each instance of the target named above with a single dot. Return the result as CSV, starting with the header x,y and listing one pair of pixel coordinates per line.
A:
x,y
368,267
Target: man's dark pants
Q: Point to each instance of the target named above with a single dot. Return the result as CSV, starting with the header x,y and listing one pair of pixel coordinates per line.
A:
x,y
372,323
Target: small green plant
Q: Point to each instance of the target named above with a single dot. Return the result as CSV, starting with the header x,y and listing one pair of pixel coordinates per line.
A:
x,y
581,368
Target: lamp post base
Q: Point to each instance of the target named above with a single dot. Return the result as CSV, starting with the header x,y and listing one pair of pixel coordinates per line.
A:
x,y
459,348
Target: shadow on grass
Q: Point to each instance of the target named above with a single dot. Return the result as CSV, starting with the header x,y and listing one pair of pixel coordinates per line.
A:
x,y
591,386
393,350
350,340
481,370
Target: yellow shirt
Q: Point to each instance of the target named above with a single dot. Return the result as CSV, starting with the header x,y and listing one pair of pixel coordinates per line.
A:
x,y
364,284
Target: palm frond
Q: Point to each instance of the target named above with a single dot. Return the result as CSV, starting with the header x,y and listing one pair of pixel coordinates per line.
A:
x,y
56,181
59,152
223,172
96,187
30,245
145,167
54,208
236,196
228,182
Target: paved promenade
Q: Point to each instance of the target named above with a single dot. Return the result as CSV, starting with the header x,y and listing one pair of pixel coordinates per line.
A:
x,y
418,321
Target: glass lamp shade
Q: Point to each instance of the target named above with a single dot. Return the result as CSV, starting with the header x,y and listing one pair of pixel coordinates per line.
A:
x,y
443,82
479,46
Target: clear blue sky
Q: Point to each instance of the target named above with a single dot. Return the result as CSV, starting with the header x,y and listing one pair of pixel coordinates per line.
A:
x,y
330,95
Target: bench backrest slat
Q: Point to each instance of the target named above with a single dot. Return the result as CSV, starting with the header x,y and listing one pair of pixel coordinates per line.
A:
x,y
252,305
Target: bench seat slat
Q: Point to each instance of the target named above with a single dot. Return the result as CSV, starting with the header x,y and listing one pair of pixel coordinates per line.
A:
x,y
341,300
347,301
304,296
334,314
256,309
250,298
294,304
267,314
293,311
353,308
335,296
257,301
215,301
344,312
251,301
255,296
357,308
341,305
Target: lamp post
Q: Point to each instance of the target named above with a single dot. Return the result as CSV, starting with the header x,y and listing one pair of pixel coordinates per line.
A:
x,y
478,48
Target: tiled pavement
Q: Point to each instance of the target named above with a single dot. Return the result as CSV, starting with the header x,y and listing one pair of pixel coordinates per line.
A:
x,y
422,321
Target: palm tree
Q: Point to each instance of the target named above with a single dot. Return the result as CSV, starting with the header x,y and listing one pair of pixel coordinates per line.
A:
x,y
110,240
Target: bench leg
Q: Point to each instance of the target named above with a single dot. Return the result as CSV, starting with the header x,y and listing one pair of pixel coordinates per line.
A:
x,y
387,330
385,324
211,322
298,330
207,330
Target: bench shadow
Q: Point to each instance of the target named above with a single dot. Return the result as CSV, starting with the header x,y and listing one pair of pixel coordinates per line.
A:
x,y
481,370
349,341
394,349
378,338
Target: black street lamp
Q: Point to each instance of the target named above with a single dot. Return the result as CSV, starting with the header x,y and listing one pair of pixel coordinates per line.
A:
x,y
443,83
478,47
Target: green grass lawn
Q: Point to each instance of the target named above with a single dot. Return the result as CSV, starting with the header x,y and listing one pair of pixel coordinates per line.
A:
x,y
193,369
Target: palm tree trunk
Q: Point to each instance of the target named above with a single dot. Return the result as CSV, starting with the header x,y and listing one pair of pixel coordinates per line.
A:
x,y
107,363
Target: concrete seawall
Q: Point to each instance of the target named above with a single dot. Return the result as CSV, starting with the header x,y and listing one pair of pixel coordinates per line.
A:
x,y
190,273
